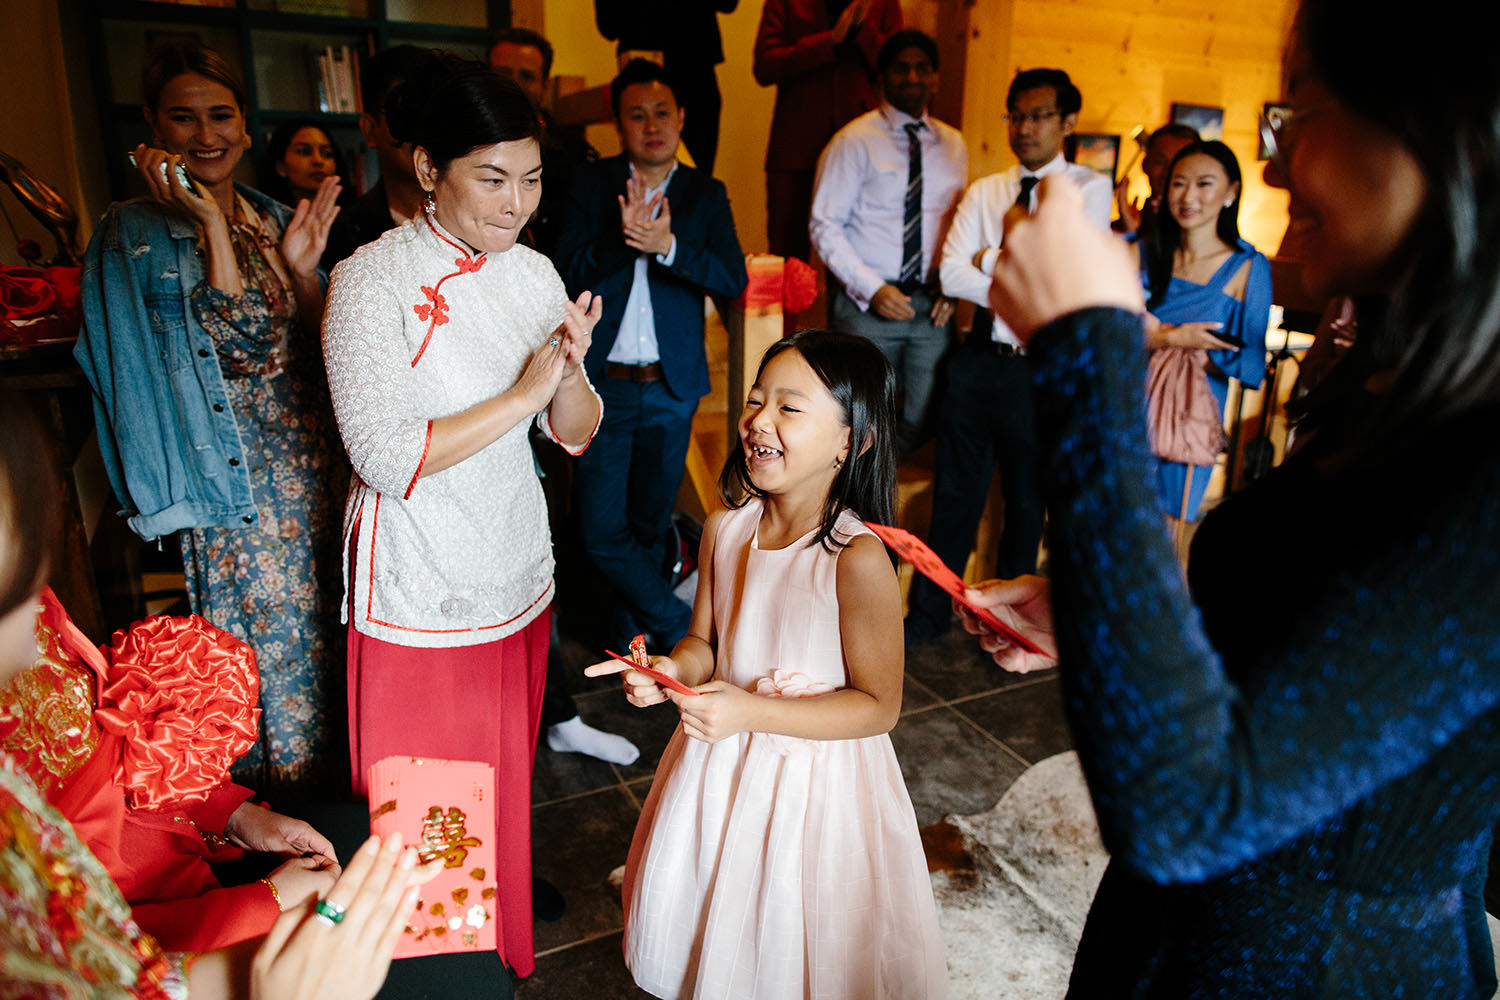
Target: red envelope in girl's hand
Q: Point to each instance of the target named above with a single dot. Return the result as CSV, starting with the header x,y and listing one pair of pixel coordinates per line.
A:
x,y
664,680
925,561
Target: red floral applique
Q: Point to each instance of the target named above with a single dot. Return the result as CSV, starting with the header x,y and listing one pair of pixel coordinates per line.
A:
x,y
435,309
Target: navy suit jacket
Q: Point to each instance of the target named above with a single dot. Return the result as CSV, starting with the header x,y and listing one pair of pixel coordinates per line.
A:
x,y
591,254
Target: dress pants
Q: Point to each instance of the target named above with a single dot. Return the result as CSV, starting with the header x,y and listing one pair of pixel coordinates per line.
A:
x,y
624,491
789,195
914,347
984,420
699,87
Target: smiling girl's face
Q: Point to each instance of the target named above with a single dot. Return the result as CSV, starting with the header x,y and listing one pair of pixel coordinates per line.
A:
x,y
793,431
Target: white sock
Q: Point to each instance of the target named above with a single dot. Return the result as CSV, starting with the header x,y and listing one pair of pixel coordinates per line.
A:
x,y
577,736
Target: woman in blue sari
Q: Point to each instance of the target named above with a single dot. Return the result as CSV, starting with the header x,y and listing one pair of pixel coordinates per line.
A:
x,y
1207,289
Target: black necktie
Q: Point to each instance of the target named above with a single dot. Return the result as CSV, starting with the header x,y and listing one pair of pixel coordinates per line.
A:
x,y
1023,200
911,222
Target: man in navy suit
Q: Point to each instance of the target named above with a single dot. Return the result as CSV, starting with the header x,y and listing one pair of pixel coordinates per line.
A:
x,y
653,237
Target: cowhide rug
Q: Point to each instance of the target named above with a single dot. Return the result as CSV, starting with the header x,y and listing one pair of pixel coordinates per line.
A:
x,y
1013,885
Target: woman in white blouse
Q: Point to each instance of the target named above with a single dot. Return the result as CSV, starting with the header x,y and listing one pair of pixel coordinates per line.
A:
x,y
443,339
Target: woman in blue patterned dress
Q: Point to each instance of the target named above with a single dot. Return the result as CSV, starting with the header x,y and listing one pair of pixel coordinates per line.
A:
x,y
200,336
1208,290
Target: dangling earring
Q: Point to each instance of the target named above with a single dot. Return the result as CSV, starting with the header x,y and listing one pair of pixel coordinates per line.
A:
x,y
1229,203
429,206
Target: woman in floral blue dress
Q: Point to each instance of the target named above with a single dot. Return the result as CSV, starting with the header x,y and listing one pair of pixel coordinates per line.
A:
x,y
202,307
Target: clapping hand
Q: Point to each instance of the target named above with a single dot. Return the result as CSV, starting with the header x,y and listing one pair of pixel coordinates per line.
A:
x,y
307,234
645,229
577,330
849,21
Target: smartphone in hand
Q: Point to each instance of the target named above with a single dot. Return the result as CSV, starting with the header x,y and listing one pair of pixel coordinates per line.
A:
x,y
182,174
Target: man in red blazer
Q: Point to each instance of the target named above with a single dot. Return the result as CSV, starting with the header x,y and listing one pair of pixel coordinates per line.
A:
x,y
820,55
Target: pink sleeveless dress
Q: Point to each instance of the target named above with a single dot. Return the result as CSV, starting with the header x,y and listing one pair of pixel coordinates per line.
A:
x,y
771,867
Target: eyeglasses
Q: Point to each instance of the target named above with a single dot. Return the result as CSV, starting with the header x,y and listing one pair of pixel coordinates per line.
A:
x,y
1276,134
1034,117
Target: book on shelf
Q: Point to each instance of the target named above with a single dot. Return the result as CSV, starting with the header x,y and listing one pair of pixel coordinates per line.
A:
x,y
338,8
333,79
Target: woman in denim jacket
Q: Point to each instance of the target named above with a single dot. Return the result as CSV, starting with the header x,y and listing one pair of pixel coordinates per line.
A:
x,y
200,336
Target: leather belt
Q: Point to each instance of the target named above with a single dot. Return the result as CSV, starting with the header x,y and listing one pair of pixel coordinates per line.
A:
x,y
634,373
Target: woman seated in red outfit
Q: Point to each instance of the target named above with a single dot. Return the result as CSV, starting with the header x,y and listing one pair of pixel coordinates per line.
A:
x,y
133,745
66,931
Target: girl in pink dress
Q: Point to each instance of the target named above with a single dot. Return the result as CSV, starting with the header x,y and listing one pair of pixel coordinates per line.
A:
x,y
777,855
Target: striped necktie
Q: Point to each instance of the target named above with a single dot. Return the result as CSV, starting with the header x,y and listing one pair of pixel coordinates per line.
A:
x,y
911,223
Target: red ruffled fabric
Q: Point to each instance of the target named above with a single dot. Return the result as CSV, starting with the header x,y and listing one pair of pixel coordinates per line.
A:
x,y
183,696
793,287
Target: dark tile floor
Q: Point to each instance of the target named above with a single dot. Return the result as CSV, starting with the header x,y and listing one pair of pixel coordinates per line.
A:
x,y
967,730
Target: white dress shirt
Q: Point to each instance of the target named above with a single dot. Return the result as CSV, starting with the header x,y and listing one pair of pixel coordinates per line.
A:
x,y
979,224
635,343
859,197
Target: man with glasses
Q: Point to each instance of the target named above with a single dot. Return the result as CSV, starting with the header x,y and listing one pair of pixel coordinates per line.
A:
x,y
984,419
885,191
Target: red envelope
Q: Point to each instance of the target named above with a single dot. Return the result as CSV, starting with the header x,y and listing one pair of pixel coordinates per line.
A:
x,y
446,809
925,561
656,675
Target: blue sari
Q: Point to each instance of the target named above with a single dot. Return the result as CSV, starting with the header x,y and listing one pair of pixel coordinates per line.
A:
x,y
1187,302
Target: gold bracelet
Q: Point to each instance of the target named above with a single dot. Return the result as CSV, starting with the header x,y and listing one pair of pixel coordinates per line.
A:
x,y
274,894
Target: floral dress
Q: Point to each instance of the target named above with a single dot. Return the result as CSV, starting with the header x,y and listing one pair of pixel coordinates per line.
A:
x,y
276,583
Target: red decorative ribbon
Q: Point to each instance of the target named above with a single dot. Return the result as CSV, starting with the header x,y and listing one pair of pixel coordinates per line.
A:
x,y
182,696
792,286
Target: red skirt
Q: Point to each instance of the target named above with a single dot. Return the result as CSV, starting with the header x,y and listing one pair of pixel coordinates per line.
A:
x,y
479,703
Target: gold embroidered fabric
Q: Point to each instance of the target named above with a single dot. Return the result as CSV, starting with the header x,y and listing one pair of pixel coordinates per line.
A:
x,y
46,714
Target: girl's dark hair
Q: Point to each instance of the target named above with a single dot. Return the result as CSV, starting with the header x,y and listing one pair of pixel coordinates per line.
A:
x,y
29,504
172,59
277,186
1436,91
454,106
861,381
1164,237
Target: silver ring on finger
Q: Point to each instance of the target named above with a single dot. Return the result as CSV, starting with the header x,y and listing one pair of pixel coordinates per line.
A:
x,y
553,342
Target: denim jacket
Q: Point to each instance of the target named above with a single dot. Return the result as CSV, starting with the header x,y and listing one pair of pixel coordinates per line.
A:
x,y
170,441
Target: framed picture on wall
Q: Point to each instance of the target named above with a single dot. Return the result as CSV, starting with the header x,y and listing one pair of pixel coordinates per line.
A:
x,y
1099,151
1207,119
1275,114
